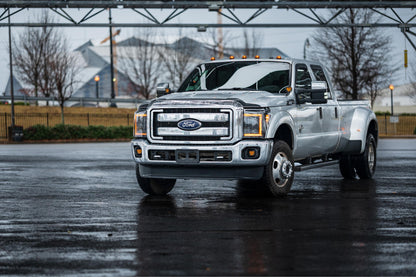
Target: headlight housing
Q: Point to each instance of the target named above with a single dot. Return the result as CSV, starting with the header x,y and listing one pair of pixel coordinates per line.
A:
x,y
140,123
255,123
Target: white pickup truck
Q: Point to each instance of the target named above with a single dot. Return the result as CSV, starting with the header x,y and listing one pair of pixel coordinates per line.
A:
x,y
252,119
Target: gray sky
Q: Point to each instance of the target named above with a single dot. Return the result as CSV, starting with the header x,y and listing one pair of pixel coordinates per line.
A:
x,y
289,40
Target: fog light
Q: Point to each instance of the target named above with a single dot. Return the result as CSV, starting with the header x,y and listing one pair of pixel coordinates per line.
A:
x,y
138,152
251,153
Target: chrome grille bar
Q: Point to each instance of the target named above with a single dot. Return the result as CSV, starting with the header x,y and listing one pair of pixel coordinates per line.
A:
x,y
206,117
217,132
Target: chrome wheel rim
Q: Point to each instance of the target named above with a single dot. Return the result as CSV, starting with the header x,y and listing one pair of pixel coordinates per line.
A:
x,y
282,169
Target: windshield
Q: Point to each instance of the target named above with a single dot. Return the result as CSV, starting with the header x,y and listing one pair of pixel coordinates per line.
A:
x,y
239,75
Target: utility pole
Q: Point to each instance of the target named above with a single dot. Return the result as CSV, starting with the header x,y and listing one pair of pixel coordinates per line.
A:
x,y
111,62
11,70
220,36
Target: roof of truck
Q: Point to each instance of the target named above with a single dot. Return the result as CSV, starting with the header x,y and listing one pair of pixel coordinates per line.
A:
x,y
282,59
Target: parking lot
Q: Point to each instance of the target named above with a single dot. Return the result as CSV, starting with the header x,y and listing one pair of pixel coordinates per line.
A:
x,y
76,209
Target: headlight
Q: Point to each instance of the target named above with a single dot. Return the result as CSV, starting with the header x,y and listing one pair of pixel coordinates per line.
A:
x,y
140,119
255,123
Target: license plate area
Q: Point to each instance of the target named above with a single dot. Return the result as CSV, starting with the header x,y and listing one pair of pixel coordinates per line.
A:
x,y
187,156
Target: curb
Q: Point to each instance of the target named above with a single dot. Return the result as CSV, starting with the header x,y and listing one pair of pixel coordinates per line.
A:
x,y
397,137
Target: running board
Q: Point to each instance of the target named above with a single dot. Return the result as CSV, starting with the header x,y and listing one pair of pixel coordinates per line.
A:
x,y
315,165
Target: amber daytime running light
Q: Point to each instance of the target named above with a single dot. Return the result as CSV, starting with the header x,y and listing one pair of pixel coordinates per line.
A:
x,y
140,124
254,122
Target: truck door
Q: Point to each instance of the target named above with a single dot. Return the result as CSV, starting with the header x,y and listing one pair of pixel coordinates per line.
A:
x,y
308,127
330,114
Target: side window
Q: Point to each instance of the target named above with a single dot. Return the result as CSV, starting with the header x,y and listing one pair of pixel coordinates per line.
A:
x,y
302,79
319,74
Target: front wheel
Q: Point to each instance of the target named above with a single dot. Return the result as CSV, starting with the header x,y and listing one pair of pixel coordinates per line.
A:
x,y
279,172
154,186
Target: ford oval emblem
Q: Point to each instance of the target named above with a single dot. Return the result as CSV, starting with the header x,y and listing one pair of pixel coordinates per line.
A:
x,y
189,124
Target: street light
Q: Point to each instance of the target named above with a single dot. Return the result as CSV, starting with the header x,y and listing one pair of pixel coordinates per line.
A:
x,y
391,87
96,79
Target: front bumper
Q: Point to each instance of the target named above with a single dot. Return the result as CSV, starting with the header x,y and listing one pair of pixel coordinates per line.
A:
x,y
235,168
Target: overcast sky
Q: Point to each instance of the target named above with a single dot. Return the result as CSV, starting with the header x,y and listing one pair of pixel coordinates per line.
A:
x,y
289,40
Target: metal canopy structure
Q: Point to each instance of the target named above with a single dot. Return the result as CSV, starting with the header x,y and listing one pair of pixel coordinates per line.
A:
x,y
149,10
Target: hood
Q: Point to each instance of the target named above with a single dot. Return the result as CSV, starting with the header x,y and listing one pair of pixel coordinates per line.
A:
x,y
261,98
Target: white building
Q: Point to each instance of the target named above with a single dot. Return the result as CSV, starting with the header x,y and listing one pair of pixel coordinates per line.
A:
x,y
402,102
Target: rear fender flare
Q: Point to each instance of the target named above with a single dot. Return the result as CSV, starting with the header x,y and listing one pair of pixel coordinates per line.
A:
x,y
355,124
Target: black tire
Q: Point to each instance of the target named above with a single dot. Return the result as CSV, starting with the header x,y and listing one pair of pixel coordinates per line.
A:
x,y
154,186
346,166
279,172
365,164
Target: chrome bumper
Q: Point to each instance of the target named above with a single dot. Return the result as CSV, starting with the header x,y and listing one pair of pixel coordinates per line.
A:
x,y
236,149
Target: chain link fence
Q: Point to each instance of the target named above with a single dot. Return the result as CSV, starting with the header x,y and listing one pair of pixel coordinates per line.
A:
x,y
398,125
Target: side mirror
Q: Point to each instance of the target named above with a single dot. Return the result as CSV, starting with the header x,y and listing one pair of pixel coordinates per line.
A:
x,y
316,95
162,89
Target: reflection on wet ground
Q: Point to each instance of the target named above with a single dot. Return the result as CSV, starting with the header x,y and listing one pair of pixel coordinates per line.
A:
x,y
64,213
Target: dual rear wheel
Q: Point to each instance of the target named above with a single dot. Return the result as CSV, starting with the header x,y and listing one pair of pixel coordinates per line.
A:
x,y
363,165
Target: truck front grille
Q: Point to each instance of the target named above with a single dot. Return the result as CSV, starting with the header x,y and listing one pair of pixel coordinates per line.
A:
x,y
212,124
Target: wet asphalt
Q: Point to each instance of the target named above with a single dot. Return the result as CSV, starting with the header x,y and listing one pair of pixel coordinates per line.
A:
x,y
76,209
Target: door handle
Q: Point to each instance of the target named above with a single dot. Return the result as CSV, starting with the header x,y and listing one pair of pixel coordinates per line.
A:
x,y
336,112
320,112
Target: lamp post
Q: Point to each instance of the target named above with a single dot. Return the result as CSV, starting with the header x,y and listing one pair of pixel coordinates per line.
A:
x,y
96,79
391,87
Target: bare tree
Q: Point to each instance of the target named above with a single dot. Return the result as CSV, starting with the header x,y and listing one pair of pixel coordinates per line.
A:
x,y
411,92
63,70
217,43
44,62
28,54
251,42
179,57
358,57
374,89
52,46
141,63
